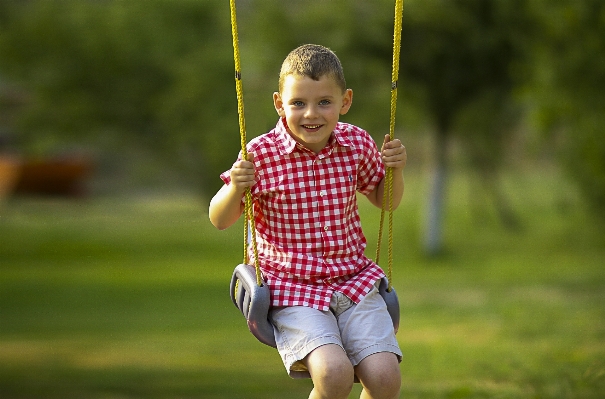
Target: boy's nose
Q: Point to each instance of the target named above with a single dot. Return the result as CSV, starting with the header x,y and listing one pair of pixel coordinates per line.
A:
x,y
310,112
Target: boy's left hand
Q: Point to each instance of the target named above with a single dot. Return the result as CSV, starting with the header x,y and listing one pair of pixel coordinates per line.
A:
x,y
393,153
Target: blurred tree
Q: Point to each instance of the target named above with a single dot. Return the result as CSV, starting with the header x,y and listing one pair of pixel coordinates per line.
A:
x,y
460,54
124,74
567,90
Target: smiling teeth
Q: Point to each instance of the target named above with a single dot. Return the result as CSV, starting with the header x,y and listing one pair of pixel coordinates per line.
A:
x,y
312,126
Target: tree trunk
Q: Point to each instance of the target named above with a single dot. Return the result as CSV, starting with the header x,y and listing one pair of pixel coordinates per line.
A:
x,y
433,244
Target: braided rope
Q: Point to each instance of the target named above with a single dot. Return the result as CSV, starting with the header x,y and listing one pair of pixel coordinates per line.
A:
x,y
248,211
388,187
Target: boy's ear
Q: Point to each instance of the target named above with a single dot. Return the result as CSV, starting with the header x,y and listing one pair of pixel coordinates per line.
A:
x,y
347,101
279,104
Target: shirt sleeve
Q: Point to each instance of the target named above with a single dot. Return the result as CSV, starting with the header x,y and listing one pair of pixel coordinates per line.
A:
x,y
370,169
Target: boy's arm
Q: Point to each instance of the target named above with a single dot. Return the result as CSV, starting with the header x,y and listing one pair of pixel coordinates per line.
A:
x,y
226,206
394,156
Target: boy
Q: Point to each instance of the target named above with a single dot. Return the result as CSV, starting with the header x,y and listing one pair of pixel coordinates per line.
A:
x,y
329,319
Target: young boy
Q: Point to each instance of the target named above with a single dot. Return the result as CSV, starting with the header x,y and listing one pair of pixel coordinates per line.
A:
x,y
329,319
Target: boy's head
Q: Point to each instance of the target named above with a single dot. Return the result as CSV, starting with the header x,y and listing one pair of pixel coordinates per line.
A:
x,y
312,95
314,61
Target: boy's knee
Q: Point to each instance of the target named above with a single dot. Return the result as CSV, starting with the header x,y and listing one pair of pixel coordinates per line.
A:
x,y
380,376
332,373
335,372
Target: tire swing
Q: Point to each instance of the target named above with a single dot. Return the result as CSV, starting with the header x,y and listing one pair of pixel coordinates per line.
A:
x,y
248,291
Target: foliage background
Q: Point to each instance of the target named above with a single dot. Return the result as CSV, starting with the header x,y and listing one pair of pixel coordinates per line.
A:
x,y
501,108
153,77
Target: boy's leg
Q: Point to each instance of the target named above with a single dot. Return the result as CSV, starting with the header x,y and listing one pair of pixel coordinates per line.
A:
x,y
369,339
380,376
308,340
331,371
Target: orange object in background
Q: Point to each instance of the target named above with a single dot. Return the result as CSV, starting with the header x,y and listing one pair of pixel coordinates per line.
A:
x,y
10,169
60,177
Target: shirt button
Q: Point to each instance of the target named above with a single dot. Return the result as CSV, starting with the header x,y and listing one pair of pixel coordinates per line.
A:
x,y
326,228
321,193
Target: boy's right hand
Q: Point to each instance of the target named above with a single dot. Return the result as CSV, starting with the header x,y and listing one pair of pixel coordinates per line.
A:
x,y
242,173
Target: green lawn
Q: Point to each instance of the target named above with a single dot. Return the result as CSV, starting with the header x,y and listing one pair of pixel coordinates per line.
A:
x,y
128,298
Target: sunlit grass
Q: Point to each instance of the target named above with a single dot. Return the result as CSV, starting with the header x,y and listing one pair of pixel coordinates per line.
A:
x,y
128,298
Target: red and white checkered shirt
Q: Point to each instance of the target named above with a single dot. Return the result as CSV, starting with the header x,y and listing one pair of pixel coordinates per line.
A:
x,y
309,236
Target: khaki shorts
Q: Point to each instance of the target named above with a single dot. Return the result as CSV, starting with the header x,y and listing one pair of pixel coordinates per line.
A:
x,y
360,330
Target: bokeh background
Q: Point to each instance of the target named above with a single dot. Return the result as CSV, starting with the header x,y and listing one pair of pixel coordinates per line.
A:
x,y
116,118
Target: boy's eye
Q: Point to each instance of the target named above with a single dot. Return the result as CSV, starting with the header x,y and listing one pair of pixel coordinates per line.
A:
x,y
324,102
298,103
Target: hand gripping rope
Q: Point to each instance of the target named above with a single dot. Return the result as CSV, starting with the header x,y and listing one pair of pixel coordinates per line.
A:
x,y
248,291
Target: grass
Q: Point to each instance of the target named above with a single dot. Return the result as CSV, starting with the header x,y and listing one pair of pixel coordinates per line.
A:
x,y
127,298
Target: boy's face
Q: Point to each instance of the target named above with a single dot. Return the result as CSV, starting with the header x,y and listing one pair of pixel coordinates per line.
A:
x,y
312,108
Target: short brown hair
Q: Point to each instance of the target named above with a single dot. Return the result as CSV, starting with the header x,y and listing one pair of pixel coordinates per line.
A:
x,y
314,61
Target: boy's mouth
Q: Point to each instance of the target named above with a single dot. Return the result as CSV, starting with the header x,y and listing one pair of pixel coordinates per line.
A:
x,y
312,127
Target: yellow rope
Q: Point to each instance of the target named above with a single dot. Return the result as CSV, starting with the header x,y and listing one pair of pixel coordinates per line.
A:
x,y
388,187
248,212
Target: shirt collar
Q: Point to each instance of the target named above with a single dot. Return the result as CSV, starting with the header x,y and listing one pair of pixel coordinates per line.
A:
x,y
287,143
